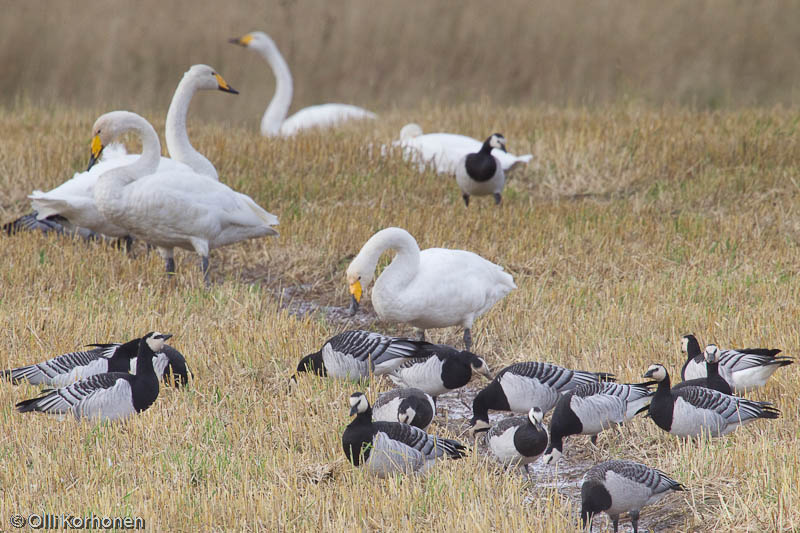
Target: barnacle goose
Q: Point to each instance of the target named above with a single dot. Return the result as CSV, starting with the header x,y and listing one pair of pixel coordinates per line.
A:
x,y
388,447
440,369
481,173
518,440
408,406
356,353
109,396
712,380
690,411
68,368
592,408
521,386
616,487
744,369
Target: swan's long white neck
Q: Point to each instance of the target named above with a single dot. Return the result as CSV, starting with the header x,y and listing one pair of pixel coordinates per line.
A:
x,y
405,265
108,191
279,106
178,145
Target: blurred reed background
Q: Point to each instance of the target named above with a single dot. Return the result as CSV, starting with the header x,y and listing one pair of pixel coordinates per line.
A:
x,y
394,55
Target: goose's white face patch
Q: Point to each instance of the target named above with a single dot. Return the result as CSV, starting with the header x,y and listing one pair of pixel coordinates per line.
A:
x,y
407,416
359,402
657,372
535,415
483,368
155,343
552,457
712,353
498,141
685,344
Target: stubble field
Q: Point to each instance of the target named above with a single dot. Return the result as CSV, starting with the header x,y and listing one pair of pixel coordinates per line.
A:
x,y
632,226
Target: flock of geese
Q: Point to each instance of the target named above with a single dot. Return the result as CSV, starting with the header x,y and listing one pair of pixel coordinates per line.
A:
x,y
180,202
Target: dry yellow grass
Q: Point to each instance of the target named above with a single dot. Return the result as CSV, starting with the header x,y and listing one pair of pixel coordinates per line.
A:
x,y
386,54
632,226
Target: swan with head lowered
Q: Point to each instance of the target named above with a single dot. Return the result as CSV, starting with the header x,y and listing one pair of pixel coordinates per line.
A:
x,y
171,208
433,288
443,151
74,199
274,122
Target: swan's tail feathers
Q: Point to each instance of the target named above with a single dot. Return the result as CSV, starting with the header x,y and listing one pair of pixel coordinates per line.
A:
x,y
31,222
45,206
268,218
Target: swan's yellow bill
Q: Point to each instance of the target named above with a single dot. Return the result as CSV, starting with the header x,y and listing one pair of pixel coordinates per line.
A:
x,y
246,40
222,83
355,290
97,146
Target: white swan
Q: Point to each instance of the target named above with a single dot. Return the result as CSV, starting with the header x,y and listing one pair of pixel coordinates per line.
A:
x,y
169,209
443,151
74,199
274,121
435,288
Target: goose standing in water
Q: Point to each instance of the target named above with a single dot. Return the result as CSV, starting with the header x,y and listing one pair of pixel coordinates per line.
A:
x,y
480,173
444,150
434,288
73,200
274,122
170,209
110,396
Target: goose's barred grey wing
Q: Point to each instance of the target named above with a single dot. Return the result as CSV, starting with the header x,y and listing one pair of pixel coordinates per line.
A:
x,y
359,344
44,373
64,399
731,408
416,438
555,376
656,480
29,222
736,360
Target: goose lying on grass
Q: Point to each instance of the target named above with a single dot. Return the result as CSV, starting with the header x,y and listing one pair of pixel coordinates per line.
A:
x,y
170,209
434,288
385,448
70,367
109,396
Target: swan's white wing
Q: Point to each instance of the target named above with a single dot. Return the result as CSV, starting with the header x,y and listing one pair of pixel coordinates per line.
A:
x,y
323,116
170,208
451,284
74,199
445,150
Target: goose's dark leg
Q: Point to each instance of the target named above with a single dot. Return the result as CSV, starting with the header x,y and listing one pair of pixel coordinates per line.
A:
x,y
635,521
465,196
467,339
615,521
204,266
421,334
169,263
497,198
593,439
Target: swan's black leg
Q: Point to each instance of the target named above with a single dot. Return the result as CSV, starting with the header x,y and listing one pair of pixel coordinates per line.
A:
x,y
465,196
205,270
169,263
498,198
467,339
